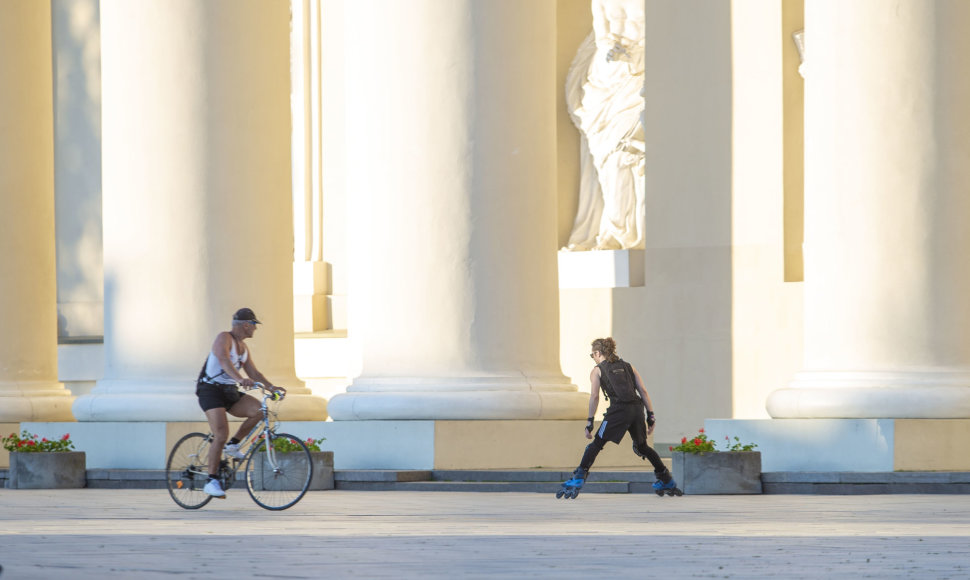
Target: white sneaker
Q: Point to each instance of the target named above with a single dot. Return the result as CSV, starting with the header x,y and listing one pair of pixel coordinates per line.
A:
x,y
232,450
213,488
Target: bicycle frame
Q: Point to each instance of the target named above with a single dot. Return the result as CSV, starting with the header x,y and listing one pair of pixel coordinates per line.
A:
x,y
251,439
275,479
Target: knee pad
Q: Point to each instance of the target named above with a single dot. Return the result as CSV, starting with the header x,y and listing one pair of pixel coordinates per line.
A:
x,y
640,450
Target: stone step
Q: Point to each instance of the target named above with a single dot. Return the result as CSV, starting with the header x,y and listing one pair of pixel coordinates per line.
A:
x,y
857,483
482,486
541,475
549,480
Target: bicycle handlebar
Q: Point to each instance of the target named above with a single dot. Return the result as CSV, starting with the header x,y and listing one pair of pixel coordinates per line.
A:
x,y
270,393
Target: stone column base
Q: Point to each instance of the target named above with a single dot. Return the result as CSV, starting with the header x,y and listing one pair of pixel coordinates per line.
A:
x,y
34,401
912,395
146,401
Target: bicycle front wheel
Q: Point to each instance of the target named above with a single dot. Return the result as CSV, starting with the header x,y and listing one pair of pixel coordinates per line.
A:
x,y
187,471
276,477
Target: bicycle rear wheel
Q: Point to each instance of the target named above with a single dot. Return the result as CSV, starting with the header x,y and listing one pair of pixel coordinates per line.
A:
x,y
277,480
187,471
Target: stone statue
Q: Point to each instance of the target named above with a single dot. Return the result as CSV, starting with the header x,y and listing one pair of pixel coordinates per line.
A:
x,y
799,38
604,95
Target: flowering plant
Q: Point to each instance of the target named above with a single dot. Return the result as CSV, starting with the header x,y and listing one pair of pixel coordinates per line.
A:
x,y
287,445
27,443
701,444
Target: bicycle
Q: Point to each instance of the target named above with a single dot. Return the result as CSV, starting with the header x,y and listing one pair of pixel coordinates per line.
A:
x,y
276,479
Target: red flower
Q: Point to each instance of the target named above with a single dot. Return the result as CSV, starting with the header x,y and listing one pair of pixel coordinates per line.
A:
x,y
66,437
671,447
701,430
44,440
684,440
697,441
21,443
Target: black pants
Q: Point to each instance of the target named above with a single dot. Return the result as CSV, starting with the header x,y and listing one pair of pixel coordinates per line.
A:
x,y
620,419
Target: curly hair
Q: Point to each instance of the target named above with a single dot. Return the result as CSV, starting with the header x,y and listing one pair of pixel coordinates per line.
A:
x,y
606,347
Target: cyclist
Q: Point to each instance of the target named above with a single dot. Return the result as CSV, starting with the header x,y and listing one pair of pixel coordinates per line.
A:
x,y
217,392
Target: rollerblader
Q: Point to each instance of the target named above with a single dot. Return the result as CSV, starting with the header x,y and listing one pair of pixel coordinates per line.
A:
x,y
630,411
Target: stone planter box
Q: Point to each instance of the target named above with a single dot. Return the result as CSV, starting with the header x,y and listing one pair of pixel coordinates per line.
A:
x,y
322,469
725,472
62,470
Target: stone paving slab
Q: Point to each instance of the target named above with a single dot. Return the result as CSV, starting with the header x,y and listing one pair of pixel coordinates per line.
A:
x,y
98,533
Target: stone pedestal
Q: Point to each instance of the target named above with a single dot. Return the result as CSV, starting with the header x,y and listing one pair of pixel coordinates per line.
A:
x,y
601,269
852,445
367,444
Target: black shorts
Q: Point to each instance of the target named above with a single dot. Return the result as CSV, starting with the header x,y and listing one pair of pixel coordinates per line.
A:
x,y
213,396
623,418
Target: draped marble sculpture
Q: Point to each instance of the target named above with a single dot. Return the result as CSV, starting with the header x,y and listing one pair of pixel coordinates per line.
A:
x,y
604,95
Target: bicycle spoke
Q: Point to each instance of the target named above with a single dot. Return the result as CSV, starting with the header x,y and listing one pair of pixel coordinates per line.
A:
x,y
277,480
187,471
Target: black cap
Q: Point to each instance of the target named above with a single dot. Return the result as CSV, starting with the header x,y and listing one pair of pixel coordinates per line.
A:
x,y
245,315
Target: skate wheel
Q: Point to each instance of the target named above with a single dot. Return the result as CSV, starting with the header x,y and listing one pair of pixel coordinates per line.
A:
x,y
559,494
574,495
660,492
678,492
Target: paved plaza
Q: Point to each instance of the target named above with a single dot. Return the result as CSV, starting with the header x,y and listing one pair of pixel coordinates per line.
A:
x,y
100,533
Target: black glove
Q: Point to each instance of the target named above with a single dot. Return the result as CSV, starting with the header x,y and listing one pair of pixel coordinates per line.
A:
x,y
650,419
589,424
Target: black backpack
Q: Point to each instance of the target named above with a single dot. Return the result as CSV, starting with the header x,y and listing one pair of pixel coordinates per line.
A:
x,y
618,382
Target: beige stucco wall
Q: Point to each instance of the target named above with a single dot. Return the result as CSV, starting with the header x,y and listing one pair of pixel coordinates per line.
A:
x,y
939,444
676,329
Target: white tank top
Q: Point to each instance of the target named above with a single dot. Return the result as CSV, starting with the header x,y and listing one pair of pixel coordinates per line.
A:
x,y
214,372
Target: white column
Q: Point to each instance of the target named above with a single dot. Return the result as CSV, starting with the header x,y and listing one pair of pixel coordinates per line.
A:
x,y
887,166
197,200
29,390
451,182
